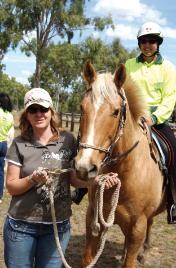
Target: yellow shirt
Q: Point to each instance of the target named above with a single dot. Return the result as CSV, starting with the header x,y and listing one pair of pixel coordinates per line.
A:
x,y
157,80
6,123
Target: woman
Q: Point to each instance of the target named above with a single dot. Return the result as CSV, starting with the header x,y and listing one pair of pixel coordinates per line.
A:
x,y
28,231
6,127
156,77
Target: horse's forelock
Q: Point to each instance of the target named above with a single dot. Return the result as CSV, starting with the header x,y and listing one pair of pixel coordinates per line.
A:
x,y
104,86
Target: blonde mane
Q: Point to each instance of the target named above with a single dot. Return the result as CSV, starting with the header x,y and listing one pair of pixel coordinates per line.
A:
x,y
136,101
105,87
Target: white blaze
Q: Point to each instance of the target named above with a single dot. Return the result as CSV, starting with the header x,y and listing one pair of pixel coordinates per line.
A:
x,y
84,161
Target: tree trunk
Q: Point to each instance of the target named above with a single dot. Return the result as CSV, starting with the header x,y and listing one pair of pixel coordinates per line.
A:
x,y
37,74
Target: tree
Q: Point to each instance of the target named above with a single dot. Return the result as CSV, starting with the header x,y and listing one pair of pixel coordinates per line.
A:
x,y
63,67
47,19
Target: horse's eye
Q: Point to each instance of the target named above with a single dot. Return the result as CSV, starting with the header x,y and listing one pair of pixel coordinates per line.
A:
x,y
116,112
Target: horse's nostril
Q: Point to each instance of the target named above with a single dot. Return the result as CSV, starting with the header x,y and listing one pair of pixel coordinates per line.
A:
x,y
93,168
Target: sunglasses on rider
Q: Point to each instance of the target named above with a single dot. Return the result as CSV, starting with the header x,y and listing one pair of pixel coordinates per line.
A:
x,y
147,40
34,109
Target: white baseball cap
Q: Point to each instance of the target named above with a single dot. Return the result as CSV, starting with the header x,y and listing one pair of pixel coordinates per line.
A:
x,y
37,96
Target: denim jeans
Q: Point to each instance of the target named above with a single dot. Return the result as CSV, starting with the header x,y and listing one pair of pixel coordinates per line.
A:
x,y
29,245
3,151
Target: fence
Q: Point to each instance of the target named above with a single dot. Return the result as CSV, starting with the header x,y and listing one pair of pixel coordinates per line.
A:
x,y
69,120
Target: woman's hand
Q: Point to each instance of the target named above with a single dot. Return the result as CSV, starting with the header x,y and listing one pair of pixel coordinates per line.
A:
x,y
111,180
39,176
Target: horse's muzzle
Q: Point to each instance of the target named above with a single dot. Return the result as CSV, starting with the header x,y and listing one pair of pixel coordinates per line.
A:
x,y
86,174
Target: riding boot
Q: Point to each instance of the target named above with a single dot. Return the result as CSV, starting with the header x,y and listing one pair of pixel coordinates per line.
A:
x,y
168,135
172,214
78,194
171,204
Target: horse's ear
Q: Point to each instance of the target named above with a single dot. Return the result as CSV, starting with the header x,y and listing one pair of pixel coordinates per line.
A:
x,y
89,72
120,76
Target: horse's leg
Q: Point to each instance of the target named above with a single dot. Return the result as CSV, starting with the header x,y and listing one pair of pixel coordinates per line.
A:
x,y
91,241
124,250
142,255
136,235
147,244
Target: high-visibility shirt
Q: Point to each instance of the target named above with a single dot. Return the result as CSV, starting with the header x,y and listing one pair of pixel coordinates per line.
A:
x,y
157,81
6,123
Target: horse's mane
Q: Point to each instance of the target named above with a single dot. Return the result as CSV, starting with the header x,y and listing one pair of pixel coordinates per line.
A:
x,y
136,101
104,86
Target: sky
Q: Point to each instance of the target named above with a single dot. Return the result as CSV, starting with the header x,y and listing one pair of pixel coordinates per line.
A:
x,y
128,16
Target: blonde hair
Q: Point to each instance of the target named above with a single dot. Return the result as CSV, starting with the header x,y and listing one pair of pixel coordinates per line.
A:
x,y
27,131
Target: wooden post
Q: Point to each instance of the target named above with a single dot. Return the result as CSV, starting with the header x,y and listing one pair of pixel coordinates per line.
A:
x,y
72,122
67,120
60,115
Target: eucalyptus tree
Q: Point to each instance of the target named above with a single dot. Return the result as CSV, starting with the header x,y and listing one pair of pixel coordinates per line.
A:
x,y
64,64
44,20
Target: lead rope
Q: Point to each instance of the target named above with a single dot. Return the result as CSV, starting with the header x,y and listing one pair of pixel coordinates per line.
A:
x,y
48,188
56,236
98,212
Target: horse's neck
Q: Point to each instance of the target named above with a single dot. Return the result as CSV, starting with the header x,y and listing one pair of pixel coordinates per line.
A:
x,y
131,134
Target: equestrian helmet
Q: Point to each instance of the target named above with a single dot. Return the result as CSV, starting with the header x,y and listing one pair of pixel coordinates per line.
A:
x,y
151,28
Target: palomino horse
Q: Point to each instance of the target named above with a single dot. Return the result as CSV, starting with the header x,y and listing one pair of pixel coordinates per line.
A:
x,y
112,140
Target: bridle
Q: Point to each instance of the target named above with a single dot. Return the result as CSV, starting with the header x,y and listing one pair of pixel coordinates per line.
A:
x,y
119,132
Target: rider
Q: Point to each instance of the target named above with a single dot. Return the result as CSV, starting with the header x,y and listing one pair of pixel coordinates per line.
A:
x,y
156,77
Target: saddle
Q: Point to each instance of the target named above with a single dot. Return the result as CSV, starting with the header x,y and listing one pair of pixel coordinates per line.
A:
x,y
159,147
161,153
163,149
165,160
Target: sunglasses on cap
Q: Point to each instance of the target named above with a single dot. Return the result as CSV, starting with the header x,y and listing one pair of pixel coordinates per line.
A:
x,y
148,40
34,109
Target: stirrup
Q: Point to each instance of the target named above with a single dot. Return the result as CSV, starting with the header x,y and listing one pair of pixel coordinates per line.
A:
x,y
173,214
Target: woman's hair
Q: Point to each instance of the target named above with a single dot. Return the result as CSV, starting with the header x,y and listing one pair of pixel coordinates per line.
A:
x,y
26,128
5,102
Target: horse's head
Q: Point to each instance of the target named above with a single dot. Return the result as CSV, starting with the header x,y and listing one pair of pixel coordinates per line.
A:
x,y
102,115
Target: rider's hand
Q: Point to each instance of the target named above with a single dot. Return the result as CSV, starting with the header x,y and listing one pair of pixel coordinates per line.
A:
x,y
149,121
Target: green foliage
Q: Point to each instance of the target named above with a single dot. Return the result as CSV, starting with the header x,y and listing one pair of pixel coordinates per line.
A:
x,y
61,65
64,64
58,67
45,18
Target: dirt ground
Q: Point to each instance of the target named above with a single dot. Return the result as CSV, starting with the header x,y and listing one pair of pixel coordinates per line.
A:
x,y
161,255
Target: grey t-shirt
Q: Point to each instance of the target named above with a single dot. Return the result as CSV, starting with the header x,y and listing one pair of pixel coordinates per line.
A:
x,y
34,205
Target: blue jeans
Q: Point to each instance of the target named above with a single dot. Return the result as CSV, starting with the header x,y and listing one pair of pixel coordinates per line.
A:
x,y
29,245
3,151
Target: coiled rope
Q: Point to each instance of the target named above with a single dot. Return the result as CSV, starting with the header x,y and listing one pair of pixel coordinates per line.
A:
x,y
98,212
